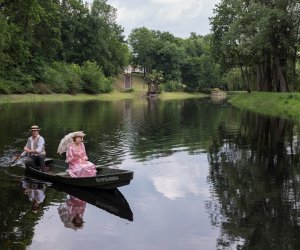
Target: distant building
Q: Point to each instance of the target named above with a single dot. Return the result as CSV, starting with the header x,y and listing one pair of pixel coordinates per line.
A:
x,y
131,69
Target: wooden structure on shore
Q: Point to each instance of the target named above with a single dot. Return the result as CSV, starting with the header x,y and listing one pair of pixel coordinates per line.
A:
x,y
152,90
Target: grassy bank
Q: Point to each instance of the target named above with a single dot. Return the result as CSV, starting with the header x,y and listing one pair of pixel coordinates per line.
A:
x,y
285,105
179,95
115,95
63,97
139,90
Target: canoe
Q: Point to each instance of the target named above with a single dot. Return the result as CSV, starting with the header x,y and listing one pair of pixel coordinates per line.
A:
x,y
106,178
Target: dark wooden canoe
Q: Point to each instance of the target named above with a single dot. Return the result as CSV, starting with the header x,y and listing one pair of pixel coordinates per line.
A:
x,y
106,178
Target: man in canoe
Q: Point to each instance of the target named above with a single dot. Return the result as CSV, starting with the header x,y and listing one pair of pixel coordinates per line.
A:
x,y
35,149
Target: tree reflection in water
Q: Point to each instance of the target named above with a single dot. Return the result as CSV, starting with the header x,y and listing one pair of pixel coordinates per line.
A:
x,y
256,184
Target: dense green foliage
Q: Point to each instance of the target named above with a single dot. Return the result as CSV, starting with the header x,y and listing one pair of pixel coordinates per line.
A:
x,y
261,39
187,62
52,46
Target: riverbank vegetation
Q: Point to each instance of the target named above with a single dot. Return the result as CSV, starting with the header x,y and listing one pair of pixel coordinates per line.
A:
x,y
138,91
59,47
285,105
257,44
177,63
70,47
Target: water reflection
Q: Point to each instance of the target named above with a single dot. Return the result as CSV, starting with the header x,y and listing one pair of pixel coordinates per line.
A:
x,y
35,192
255,178
71,212
112,201
180,179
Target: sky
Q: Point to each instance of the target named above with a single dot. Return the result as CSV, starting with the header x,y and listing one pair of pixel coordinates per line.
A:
x,y
179,17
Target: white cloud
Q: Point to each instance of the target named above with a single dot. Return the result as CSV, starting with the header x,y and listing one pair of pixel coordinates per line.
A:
x,y
177,179
128,16
175,10
179,17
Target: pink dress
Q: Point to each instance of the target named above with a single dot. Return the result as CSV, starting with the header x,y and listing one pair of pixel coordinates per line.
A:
x,y
78,164
76,207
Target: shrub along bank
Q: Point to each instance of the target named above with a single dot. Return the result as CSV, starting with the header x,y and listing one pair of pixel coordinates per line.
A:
x,y
61,77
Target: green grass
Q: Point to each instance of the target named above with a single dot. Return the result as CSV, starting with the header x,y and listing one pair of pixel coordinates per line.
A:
x,y
179,95
139,90
62,97
285,105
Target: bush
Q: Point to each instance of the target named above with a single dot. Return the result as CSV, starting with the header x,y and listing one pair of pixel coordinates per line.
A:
x,y
172,86
17,83
161,88
42,88
63,78
72,76
5,86
93,79
106,85
53,77
11,87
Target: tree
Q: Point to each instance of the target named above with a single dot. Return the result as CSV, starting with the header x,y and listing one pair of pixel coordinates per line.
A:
x,y
142,41
199,71
259,36
91,33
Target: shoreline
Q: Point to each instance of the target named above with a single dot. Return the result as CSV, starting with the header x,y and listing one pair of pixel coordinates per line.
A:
x,y
113,96
283,105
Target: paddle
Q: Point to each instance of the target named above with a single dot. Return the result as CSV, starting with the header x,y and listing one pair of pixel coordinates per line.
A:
x,y
17,158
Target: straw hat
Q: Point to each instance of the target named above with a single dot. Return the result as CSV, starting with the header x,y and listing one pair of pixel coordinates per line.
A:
x,y
78,134
67,140
34,128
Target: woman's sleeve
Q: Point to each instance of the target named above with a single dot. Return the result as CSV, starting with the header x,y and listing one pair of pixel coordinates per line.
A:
x,y
69,154
84,153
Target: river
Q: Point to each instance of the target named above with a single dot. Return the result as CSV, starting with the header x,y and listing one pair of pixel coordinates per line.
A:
x,y
206,176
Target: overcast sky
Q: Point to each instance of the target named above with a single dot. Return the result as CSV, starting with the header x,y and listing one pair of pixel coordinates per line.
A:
x,y
179,17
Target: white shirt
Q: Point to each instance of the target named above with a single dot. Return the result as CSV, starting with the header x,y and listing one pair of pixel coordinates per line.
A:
x,y
40,143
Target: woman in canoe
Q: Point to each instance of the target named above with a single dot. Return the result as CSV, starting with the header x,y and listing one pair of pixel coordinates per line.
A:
x,y
79,166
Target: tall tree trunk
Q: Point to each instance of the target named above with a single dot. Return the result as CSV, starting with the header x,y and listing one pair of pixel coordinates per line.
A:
x,y
242,71
294,58
243,75
248,80
268,73
264,73
282,82
259,77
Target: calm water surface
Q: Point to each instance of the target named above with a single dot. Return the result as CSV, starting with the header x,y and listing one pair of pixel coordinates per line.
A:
x,y
206,176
